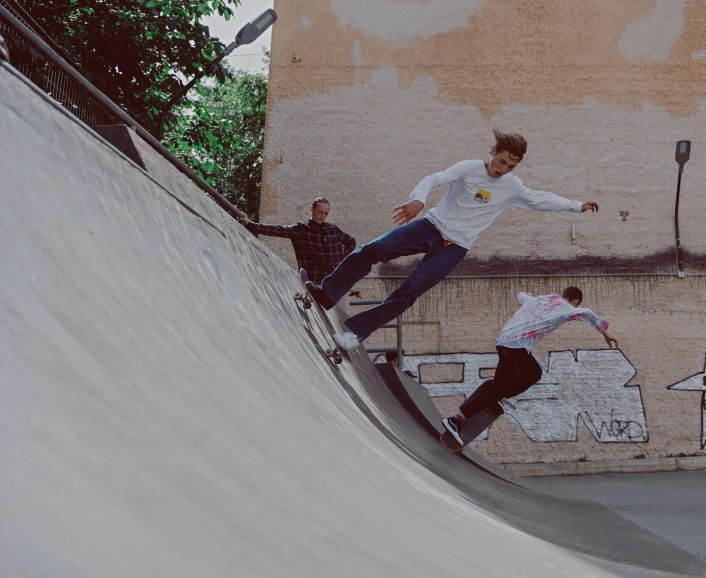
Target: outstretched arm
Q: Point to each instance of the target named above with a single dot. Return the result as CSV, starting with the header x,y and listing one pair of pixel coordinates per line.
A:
x,y
269,230
588,316
550,202
406,212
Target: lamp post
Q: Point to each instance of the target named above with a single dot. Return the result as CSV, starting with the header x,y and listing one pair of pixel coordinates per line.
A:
x,y
247,35
681,156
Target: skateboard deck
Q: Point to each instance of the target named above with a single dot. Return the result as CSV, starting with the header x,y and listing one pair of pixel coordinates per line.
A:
x,y
473,427
307,300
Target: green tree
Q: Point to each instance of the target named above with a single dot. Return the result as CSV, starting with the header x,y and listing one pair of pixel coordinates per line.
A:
x,y
220,134
137,52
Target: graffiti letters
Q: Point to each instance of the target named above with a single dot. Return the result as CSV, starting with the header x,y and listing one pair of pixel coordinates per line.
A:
x,y
591,386
696,382
622,430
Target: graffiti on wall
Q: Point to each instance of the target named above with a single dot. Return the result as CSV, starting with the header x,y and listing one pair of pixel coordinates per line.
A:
x,y
696,382
591,386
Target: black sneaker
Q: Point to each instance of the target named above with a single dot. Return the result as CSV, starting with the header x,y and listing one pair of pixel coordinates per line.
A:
x,y
454,428
318,294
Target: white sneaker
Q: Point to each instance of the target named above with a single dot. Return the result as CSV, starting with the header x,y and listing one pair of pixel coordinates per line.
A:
x,y
346,341
452,428
505,403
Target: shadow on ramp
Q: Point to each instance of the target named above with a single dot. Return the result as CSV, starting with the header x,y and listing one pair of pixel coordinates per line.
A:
x,y
415,400
586,527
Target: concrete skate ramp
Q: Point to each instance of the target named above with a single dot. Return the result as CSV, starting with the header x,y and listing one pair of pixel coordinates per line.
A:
x,y
416,401
166,410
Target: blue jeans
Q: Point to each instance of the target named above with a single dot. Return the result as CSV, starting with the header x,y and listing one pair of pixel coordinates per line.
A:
x,y
415,237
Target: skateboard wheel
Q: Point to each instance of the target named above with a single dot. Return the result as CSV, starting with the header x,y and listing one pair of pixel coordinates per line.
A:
x,y
334,355
306,302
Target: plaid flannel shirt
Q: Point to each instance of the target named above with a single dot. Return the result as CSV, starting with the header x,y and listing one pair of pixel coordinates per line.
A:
x,y
319,248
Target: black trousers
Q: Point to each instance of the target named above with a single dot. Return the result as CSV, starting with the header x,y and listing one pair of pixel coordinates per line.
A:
x,y
517,371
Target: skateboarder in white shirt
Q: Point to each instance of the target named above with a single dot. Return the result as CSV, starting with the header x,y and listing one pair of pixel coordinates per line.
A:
x,y
479,193
517,368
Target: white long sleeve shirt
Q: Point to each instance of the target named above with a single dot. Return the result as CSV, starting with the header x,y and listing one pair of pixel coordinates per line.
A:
x,y
475,199
541,315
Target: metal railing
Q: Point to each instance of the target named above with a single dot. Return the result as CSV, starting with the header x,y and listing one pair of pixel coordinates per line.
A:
x,y
51,79
51,72
398,326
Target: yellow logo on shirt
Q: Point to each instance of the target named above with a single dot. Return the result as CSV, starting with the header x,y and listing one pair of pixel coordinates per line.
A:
x,y
483,196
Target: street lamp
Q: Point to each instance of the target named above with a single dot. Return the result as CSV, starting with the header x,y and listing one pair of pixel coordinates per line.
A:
x,y
247,35
681,156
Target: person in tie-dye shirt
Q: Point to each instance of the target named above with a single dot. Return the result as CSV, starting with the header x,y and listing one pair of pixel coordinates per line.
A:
x,y
517,369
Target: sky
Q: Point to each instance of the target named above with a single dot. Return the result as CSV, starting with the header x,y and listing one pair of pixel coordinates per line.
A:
x,y
248,57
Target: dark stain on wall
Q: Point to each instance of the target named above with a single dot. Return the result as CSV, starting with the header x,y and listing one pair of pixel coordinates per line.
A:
x,y
655,264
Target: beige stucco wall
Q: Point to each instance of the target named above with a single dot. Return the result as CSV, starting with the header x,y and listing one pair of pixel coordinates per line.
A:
x,y
368,97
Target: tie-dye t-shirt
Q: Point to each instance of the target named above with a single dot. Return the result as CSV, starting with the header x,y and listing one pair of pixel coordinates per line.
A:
x,y
541,315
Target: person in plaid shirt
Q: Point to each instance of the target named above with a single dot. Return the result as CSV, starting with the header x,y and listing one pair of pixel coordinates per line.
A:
x,y
318,246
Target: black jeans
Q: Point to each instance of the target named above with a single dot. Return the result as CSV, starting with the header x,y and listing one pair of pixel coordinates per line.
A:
x,y
517,371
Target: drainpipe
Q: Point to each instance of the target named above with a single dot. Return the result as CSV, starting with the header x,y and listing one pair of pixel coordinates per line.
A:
x,y
681,156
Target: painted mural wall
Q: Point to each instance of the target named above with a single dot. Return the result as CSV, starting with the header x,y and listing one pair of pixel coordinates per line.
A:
x,y
368,97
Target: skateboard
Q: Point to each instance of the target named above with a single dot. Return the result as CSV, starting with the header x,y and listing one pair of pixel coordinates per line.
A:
x,y
473,427
307,300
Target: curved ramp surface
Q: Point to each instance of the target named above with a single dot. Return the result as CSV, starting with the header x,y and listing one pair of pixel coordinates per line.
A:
x,y
166,410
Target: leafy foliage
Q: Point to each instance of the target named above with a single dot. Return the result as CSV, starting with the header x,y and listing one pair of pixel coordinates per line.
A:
x,y
142,52
220,134
136,51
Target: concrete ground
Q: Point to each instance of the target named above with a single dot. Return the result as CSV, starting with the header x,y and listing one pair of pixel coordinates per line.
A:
x,y
672,504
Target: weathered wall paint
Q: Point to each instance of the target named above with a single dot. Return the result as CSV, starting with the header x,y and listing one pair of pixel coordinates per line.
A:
x,y
655,36
410,20
502,51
